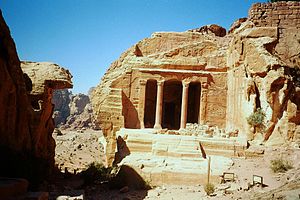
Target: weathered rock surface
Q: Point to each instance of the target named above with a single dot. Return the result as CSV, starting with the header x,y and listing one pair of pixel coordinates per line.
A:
x,y
255,66
117,102
61,100
45,77
14,102
213,28
26,124
72,111
264,62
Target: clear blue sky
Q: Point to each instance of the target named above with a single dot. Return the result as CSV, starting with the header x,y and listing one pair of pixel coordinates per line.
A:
x,y
86,36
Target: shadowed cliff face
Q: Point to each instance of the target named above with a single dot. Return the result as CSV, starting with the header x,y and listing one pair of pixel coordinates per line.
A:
x,y
26,124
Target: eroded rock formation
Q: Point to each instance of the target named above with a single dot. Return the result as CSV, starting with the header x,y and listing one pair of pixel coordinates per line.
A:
x,y
45,78
26,125
72,111
264,65
164,66
61,100
205,76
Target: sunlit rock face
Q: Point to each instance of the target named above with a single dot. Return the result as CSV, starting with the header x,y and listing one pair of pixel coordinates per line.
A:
x,y
61,100
72,111
26,124
45,77
127,94
254,66
263,58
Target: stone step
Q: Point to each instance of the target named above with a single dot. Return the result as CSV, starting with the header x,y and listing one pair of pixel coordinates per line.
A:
x,y
114,109
116,91
140,148
179,145
159,170
220,152
112,99
114,104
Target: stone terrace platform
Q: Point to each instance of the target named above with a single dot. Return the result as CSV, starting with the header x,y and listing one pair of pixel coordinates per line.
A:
x,y
178,159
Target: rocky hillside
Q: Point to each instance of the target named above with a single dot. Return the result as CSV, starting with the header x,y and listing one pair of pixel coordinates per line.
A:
x,y
26,124
261,59
71,111
264,62
61,100
260,54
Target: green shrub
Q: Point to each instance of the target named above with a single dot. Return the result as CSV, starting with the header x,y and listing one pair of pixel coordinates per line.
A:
x,y
209,188
280,165
97,172
257,119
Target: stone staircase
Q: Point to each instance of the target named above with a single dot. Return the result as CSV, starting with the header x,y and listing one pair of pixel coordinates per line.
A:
x,y
113,102
111,109
177,159
147,140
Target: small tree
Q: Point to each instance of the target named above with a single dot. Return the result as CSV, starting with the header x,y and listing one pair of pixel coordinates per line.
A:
x,y
257,119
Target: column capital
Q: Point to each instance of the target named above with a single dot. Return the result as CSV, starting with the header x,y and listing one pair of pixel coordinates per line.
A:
x,y
160,82
204,85
185,83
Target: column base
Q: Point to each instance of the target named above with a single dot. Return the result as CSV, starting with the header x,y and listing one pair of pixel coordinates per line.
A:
x,y
157,126
142,126
181,129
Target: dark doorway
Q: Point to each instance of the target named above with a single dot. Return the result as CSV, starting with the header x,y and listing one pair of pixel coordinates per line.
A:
x,y
150,103
172,105
193,102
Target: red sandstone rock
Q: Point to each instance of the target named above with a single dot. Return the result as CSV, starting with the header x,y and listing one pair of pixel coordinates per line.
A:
x,y
199,59
213,28
26,123
252,67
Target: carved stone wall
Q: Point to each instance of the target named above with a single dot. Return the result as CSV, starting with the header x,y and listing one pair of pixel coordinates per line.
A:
x,y
280,14
254,66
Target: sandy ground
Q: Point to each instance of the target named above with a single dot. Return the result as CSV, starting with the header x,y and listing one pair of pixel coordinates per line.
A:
x,y
76,150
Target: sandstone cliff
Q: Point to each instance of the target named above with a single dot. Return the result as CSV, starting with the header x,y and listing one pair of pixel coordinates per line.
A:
x,y
72,111
115,99
264,58
61,100
26,124
45,78
256,65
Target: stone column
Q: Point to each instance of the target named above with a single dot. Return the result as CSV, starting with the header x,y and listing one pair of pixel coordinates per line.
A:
x,y
142,96
159,103
203,103
184,104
